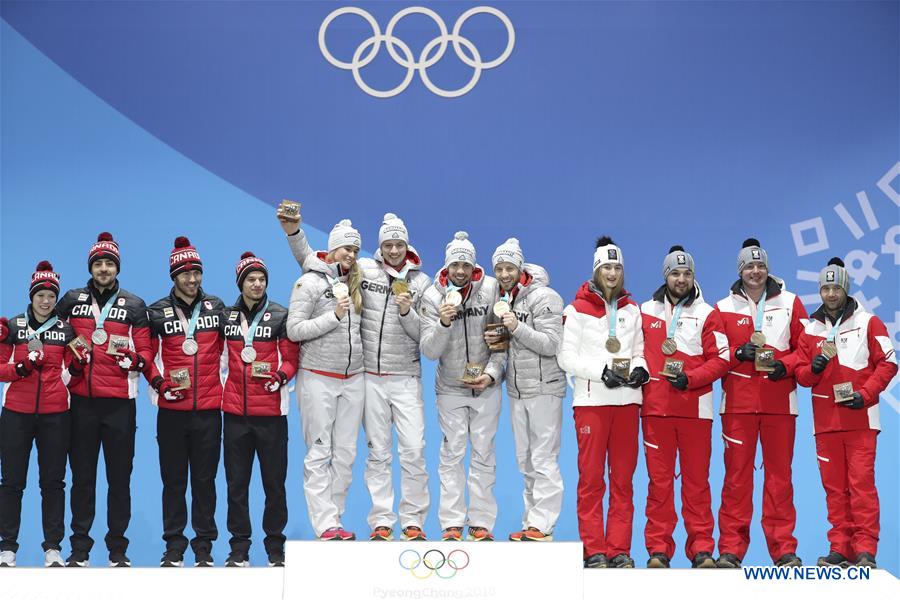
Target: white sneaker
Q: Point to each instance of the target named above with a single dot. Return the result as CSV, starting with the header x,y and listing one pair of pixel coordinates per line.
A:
x,y
7,558
52,558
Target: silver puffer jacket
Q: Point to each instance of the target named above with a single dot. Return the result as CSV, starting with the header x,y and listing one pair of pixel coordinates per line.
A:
x,y
391,341
531,368
462,342
326,344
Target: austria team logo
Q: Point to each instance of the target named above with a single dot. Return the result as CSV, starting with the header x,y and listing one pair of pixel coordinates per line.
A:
x,y
433,562
465,50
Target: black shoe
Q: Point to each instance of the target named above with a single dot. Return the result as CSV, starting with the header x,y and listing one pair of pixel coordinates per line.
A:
x,y
276,559
703,560
834,559
237,559
118,559
621,561
728,561
78,558
203,558
658,560
789,560
172,558
596,561
864,559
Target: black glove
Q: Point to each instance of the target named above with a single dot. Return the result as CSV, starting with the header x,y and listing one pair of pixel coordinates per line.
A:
x,y
819,363
679,382
611,379
23,368
746,353
639,376
778,371
855,402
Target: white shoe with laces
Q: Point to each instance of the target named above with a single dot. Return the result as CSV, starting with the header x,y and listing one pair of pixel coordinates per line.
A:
x,y
52,558
7,558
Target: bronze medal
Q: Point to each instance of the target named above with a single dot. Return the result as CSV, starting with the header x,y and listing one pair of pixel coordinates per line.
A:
x,y
758,339
669,346
613,344
829,350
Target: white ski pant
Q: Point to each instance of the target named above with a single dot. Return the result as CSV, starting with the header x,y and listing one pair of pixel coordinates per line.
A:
x,y
331,412
466,420
396,401
536,425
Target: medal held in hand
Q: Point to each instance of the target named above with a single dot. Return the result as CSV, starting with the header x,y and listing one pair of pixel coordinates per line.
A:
x,y
35,345
829,350
758,339
80,347
621,367
669,346
289,210
501,307
765,360
399,286
472,372
453,298
260,369
340,290
99,336
117,343
181,378
843,392
672,368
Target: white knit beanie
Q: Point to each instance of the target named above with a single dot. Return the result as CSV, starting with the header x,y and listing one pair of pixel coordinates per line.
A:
x,y
607,253
460,249
392,228
343,234
509,252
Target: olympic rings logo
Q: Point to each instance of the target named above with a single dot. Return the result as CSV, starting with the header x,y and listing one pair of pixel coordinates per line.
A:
x,y
407,60
433,562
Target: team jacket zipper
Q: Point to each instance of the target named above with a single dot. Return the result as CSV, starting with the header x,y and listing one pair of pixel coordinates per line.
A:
x,y
381,331
37,396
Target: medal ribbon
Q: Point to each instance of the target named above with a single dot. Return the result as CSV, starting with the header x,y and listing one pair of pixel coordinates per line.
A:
x,y
100,316
189,327
47,325
250,331
760,309
401,274
671,325
613,310
833,332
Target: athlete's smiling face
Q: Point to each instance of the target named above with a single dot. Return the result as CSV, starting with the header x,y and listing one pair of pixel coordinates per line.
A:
x,y
43,303
460,273
754,275
254,286
507,274
394,252
187,283
345,256
833,296
104,271
679,282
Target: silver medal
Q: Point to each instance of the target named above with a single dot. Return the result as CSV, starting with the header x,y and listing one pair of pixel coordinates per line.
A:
x,y
453,298
189,346
248,354
340,290
35,345
501,307
99,336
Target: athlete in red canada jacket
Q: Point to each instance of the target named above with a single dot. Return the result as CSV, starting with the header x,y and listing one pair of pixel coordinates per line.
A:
x,y
103,377
245,394
205,391
37,389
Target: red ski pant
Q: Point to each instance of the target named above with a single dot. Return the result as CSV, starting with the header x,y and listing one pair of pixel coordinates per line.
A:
x,y
690,439
847,466
606,435
776,436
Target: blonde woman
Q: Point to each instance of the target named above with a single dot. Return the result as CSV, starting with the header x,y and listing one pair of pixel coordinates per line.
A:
x,y
324,317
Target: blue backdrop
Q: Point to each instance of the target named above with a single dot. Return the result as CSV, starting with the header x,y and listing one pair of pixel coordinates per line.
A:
x,y
698,123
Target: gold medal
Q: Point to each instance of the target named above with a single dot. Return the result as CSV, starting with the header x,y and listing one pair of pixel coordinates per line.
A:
x,y
400,286
501,308
758,339
669,346
829,350
613,344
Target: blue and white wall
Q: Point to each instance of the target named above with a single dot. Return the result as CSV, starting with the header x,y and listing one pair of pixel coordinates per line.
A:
x,y
700,123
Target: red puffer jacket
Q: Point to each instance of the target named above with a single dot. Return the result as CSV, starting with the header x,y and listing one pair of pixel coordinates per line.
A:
x,y
245,394
43,391
204,367
128,317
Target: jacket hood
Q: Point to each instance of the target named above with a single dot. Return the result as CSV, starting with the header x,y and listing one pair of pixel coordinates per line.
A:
x,y
589,293
820,314
533,277
316,262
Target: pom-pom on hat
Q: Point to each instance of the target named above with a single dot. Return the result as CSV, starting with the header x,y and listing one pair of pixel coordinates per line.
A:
x,y
834,273
43,278
607,253
460,249
343,234
751,252
249,262
509,252
392,228
104,247
677,258
184,257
